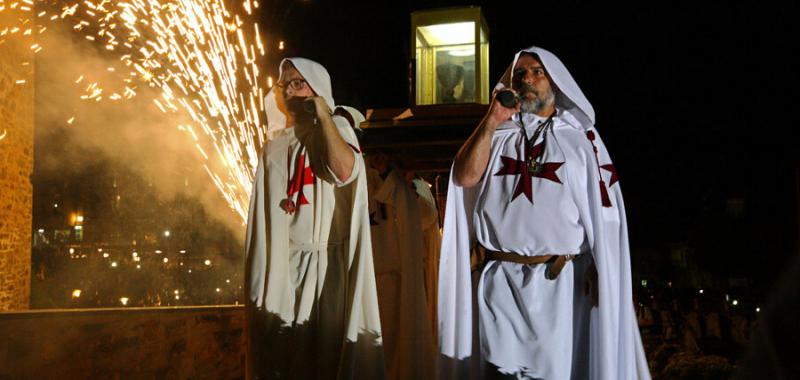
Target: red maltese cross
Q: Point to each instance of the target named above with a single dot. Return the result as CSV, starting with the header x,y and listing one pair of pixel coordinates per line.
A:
x,y
512,166
303,176
610,168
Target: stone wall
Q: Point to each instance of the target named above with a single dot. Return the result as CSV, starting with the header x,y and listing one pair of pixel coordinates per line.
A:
x,y
16,165
144,343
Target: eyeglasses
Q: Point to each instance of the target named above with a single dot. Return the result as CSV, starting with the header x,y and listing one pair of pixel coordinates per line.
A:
x,y
294,84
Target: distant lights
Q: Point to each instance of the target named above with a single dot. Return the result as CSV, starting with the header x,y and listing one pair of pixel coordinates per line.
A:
x,y
76,293
208,262
113,264
758,310
138,266
105,255
123,301
166,260
71,251
701,291
41,231
219,290
735,302
280,45
166,233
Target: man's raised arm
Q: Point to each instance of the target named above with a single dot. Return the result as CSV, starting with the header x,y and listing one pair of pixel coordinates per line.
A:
x,y
473,157
338,155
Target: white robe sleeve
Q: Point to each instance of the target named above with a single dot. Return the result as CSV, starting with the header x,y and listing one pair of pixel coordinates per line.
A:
x,y
343,126
616,350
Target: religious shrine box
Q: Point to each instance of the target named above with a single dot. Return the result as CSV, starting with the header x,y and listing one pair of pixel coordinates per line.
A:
x,y
450,52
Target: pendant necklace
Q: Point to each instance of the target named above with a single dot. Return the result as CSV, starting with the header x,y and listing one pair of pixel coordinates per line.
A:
x,y
534,159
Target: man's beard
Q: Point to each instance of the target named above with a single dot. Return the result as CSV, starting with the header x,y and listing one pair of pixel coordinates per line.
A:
x,y
539,102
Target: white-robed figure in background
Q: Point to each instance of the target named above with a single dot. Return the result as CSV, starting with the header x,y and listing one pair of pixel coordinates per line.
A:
x,y
311,298
399,245
534,193
353,116
429,221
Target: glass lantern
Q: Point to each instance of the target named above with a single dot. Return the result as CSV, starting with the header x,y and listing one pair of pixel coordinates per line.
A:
x,y
451,55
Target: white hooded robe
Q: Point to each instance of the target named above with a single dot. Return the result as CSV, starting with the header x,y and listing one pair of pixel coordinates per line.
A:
x,y
398,246
429,221
311,297
510,315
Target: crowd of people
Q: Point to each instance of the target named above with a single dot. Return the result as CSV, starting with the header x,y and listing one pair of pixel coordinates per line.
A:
x,y
689,334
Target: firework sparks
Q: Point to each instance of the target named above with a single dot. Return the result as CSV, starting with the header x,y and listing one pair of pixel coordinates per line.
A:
x,y
196,52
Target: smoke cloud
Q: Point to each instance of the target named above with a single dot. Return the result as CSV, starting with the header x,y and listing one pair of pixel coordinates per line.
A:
x,y
132,131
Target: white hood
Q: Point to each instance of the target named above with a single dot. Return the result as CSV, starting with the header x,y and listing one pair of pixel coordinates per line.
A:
x,y
316,76
569,96
354,116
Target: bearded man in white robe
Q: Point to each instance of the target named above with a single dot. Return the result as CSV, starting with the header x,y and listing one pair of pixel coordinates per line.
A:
x,y
311,298
535,279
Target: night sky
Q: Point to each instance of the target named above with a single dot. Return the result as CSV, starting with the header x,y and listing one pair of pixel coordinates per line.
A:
x,y
696,104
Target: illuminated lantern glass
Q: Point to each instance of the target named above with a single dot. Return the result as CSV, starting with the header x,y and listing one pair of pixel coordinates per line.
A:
x,y
450,50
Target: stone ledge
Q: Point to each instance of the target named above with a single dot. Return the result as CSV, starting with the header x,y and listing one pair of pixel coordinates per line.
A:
x,y
165,342
41,313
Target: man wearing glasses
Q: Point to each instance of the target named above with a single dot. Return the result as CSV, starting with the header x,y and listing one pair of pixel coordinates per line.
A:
x,y
311,297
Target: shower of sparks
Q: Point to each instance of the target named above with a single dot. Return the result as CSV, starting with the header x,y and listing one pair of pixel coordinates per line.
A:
x,y
201,56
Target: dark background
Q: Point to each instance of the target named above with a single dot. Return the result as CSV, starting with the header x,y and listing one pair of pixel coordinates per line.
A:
x,y
695,102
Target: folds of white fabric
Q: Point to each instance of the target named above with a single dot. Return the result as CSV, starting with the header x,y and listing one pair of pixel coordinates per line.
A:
x,y
398,248
310,283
